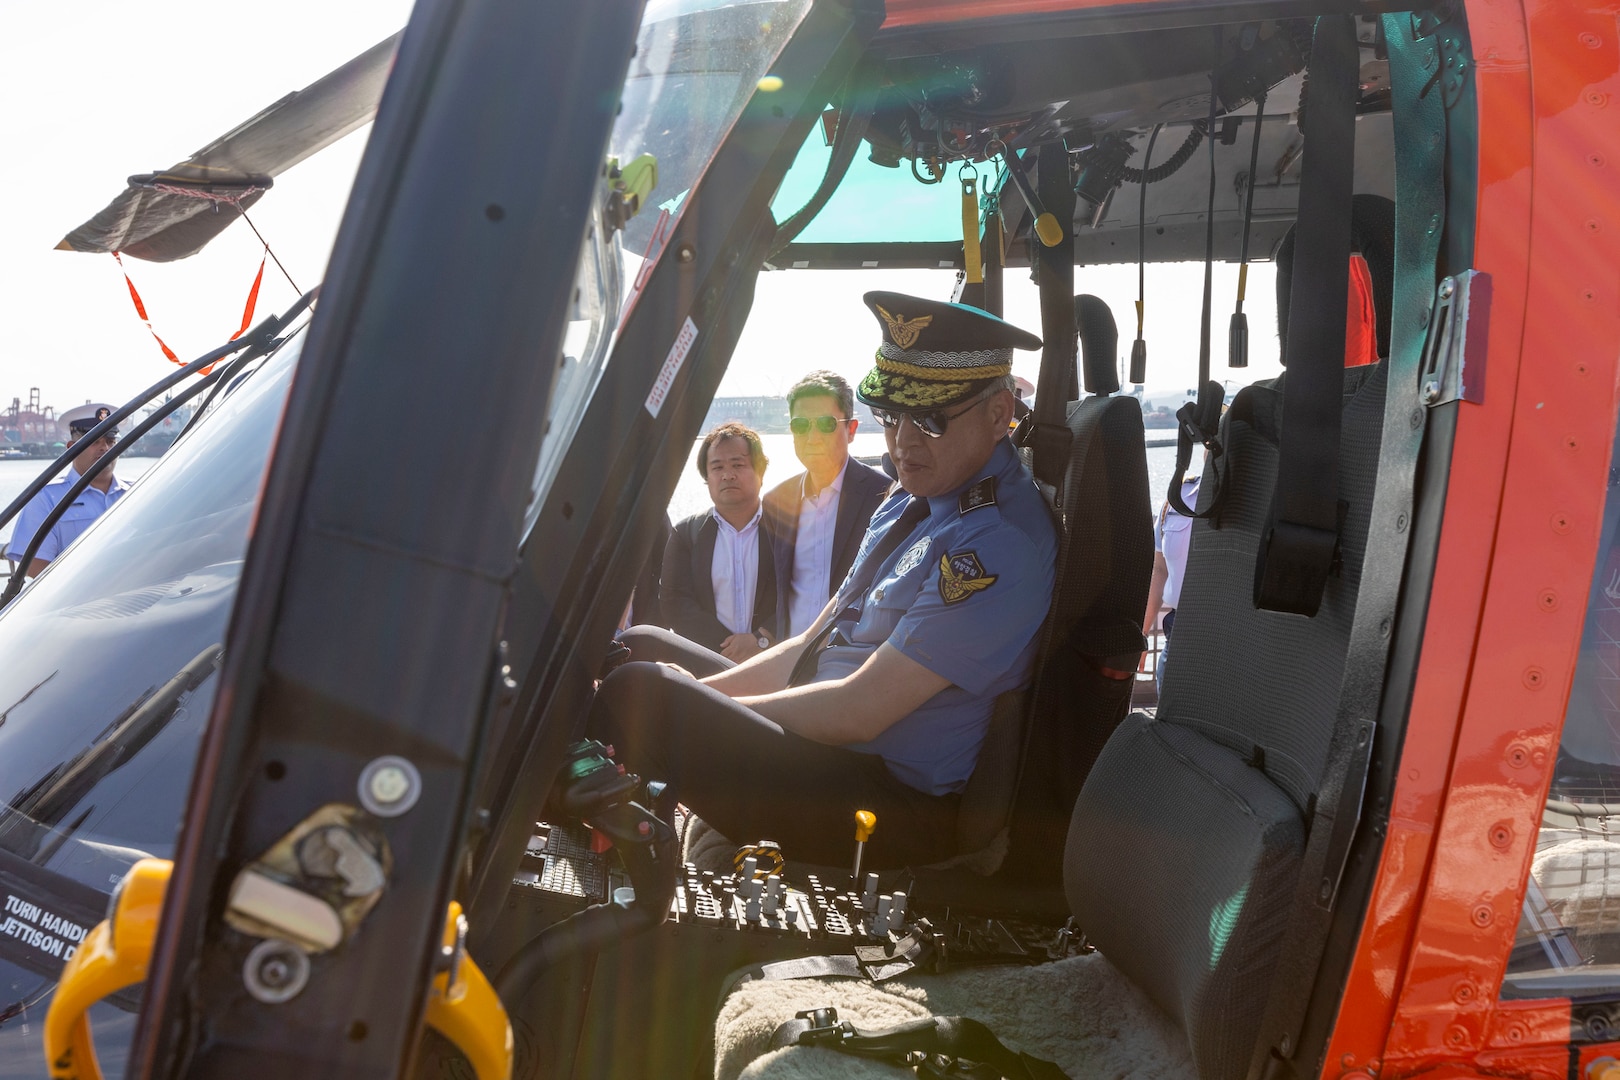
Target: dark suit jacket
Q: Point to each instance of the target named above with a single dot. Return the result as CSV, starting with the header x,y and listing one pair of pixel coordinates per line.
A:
x,y
862,493
686,590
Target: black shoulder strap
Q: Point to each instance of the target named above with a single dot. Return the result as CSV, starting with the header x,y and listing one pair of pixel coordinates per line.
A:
x,y
940,1042
1299,547
1048,434
1199,421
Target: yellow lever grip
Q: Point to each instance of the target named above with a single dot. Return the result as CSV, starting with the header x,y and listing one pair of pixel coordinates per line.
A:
x,y
112,956
467,1011
972,260
1048,229
462,1005
865,822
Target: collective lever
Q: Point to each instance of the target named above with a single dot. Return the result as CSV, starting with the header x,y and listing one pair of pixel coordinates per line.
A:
x,y
865,822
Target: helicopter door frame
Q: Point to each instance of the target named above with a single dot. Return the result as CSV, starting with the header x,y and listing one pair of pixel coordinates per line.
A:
x,y
1523,497
369,609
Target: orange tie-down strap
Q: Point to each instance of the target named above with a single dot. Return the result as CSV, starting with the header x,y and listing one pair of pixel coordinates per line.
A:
x,y
140,308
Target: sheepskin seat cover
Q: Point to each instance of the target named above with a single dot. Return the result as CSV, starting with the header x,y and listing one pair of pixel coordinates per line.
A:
x,y
1080,1013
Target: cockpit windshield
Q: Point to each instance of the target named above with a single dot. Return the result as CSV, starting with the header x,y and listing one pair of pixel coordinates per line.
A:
x,y
696,64
110,656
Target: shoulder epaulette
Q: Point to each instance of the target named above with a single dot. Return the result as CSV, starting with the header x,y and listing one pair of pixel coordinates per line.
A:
x,y
981,494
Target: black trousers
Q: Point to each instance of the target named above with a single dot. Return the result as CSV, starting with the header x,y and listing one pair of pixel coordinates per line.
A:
x,y
748,777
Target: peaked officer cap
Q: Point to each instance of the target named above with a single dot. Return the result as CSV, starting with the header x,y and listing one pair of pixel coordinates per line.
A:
x,y
85,417
935,354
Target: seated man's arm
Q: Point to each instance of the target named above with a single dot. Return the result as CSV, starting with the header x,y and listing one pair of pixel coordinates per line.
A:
x,y
770,670
857,708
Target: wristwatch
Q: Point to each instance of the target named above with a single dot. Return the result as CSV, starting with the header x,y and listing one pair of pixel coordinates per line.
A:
x,y
764,642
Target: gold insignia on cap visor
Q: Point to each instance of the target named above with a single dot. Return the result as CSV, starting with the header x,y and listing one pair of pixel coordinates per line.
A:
x,y
903,330
908,393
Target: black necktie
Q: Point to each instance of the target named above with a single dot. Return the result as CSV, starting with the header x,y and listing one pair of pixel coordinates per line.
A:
x,y
860,579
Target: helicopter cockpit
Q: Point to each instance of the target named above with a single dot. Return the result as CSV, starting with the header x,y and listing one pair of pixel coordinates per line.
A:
x,y
253,653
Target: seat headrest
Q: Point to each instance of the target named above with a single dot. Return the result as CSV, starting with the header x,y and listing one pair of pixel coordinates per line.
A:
x,y
1099,344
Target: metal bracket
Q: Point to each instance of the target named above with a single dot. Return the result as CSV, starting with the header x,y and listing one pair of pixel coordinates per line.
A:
x,y
1453,366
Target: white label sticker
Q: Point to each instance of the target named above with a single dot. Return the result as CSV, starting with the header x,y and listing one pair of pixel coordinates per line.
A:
x,y
31,924
672,366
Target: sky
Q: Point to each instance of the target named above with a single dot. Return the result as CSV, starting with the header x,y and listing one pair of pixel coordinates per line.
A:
x,y
148,85
97,90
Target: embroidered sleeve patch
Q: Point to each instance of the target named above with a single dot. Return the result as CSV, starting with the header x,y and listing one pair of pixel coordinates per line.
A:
x,y
961,575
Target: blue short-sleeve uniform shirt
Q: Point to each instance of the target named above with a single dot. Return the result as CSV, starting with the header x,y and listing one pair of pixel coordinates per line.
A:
x,y
89,505
964,595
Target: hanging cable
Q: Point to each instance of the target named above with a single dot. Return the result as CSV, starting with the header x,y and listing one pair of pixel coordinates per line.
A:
x,y
1209,232
1139,346
271,250
1172,163
1237,335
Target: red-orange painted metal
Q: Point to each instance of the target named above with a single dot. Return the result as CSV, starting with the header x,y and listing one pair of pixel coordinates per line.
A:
x,y
1519,541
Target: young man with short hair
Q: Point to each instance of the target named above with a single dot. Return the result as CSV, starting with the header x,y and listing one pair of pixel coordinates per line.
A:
x,y
718,586
815,520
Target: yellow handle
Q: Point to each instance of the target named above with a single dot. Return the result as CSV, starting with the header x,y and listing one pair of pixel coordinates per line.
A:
x,y
1048,229
115,954
971,258
865,822
469,1012
112,956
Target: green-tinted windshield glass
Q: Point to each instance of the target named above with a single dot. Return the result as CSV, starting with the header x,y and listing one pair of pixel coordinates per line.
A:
x,y
872,203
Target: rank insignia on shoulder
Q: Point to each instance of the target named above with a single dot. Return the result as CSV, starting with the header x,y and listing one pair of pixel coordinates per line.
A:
x,y
961,575
981,494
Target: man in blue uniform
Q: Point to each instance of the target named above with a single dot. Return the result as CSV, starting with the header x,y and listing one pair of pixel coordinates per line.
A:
x,y
884,701
90,504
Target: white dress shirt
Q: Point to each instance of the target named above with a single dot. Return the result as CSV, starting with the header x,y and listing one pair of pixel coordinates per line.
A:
x,y
812,552
734,573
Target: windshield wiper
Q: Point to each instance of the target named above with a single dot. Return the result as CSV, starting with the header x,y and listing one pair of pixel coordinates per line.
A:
x,y
36,810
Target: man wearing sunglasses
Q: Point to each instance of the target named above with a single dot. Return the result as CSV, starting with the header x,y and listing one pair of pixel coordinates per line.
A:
x,y
883,703
104,490
816,520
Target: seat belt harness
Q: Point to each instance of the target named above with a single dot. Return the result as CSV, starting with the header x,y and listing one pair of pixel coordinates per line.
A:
x,y
936,1046
1298,550
861,577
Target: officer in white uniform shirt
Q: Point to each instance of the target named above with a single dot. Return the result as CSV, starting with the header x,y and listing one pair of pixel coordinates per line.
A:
x,y
104,490
1172,534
